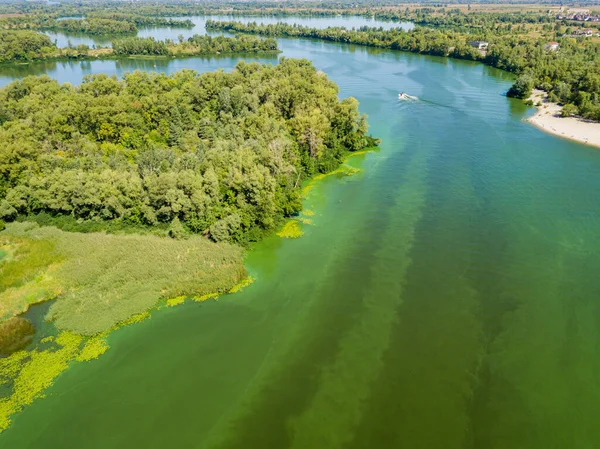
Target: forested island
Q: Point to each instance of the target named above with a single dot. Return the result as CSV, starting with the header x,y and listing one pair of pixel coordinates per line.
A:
x,y
142,20
222,153
96,26
194,46
26,46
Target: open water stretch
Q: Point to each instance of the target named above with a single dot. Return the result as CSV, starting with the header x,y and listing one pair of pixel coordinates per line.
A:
x,y
445,297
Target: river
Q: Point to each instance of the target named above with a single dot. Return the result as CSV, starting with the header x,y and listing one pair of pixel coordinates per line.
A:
x,y
64,39
446,296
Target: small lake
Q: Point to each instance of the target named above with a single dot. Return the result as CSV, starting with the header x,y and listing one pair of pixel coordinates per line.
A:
x,y
445,297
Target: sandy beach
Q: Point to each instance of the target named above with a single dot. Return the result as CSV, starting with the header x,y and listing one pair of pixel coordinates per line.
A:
x,y
547,118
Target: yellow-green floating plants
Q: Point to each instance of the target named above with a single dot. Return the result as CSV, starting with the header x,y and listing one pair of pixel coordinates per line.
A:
x,y
344,170
200,298
175,301
32,372
291,230
242,284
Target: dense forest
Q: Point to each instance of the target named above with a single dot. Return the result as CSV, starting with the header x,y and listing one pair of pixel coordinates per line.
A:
x,y
142,21
222,153
195,45
96,26
570,76
24,46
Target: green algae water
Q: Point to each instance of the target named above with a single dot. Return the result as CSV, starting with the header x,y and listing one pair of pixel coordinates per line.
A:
x,y
446,296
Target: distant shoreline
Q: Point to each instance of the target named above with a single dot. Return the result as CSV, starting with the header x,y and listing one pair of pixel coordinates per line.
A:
x,y
548,119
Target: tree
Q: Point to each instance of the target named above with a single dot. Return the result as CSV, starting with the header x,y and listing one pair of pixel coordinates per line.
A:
x,y
176,229
569,110
522,87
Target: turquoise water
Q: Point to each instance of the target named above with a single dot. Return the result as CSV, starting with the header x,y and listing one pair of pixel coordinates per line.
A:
x,y
445,297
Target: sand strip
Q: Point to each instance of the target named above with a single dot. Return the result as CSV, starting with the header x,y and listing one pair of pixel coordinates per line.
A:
x,y
547,118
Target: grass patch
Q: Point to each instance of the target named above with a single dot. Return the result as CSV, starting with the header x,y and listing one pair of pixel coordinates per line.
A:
x,y
100,280
26,273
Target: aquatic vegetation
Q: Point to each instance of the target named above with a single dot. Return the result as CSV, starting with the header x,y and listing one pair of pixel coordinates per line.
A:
x,y
291,230
308,213
306,221
137,318
31,373
175,301
362,348
344,170
201,298
102,281
15,333
92,349
361,152
242,284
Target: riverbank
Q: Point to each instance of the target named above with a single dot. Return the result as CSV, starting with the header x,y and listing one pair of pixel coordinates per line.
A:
x,y
548,119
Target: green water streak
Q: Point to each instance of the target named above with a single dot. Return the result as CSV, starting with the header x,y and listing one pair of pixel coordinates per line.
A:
x,y
345,384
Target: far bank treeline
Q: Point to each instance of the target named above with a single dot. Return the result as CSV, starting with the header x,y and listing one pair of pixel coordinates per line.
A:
x,y
224,154
98,22
24,46
570,76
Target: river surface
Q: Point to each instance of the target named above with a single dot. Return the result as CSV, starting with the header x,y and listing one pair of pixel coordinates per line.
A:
x,y
446,297
162,33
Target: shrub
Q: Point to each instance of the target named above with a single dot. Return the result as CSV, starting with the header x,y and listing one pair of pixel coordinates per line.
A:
x,y
15,334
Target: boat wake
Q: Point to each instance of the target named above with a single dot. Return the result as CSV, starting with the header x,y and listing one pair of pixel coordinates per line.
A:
x,y
405,97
